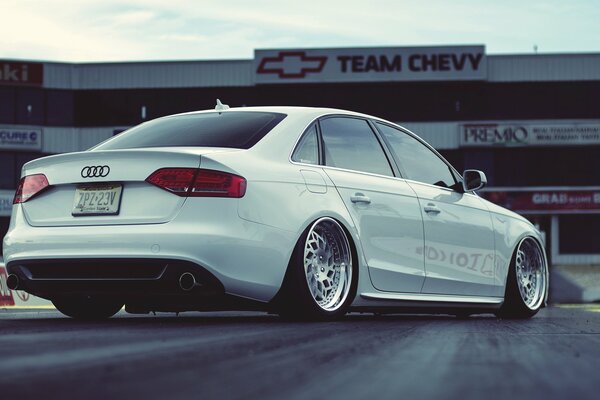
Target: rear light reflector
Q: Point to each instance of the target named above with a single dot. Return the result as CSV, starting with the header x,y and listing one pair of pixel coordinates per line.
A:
x,y
175,180
30,186
197,182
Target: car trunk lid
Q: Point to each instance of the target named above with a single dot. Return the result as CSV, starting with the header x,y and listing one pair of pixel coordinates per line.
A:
x,y
107,177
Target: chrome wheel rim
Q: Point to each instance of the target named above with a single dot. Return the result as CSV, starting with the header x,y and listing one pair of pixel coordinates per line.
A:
x,y
328,264
531,273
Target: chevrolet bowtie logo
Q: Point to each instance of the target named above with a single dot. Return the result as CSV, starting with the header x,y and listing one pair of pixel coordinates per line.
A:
x,y
291,64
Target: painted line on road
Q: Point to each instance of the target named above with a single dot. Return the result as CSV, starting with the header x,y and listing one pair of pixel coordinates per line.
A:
x,y
594,307
44,307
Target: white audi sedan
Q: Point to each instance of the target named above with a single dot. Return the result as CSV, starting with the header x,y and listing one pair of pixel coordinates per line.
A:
x,y
306,212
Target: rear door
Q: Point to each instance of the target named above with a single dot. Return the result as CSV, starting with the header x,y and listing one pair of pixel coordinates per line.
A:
x,y
384,208
459,238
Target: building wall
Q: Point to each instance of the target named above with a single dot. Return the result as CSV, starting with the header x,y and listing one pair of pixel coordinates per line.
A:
x,y
79,105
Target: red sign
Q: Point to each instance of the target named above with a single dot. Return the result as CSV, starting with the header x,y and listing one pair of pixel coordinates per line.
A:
x,y
21,73
6,297
551,201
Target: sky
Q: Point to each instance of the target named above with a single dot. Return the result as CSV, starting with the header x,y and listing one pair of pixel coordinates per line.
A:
x,y
136,30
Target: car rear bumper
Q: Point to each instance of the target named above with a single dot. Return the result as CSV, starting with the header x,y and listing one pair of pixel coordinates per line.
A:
x,y
123,277
247,259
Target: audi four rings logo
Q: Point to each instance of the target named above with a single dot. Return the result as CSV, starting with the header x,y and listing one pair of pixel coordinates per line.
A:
x,y
99,171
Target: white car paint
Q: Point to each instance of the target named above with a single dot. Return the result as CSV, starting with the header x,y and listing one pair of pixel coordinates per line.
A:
x,y
247,243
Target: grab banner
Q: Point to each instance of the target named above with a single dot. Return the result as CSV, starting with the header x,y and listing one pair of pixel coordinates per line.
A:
x,y
6,296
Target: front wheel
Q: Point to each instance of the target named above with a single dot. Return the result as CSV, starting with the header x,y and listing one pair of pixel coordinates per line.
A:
x,y
86,307
322,278
526,283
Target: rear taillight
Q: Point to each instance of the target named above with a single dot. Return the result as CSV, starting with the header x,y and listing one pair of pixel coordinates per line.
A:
x,y
30,186
195,182
175,180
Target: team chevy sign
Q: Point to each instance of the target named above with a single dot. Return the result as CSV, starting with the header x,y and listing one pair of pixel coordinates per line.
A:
x,y
20,138
368,65
520,134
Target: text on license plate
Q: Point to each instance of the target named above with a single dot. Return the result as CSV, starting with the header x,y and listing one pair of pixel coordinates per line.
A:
x,y
97,199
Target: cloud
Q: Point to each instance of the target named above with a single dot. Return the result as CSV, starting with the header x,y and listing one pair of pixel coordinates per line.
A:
x,y
111,30
185,38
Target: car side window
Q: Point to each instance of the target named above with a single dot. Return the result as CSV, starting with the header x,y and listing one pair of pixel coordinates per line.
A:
x,y
350,143
418,161
307,150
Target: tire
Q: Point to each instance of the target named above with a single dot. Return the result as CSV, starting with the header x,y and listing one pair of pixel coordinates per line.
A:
x,y
527,281
87,308
322,276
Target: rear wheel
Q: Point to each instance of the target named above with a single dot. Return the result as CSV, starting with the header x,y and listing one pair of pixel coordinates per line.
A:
x,y
526,282
86,307
321,280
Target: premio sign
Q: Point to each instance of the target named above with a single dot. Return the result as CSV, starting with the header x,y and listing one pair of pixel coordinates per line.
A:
x,y
370,64
524,134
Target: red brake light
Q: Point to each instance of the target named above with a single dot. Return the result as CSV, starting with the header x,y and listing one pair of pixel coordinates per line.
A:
x,y
191,182
209,183
175,180
30,186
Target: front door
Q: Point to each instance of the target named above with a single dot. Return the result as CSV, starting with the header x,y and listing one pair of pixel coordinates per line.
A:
x,y
459,242
459,245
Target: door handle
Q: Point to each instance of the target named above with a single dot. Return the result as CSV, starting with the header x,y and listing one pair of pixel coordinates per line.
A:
x,y
360,198
432,209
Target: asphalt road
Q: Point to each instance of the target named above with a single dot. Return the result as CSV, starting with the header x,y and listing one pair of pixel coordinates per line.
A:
x,y
555,355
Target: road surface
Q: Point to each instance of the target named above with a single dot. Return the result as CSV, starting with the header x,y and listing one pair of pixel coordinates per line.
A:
x,y
555,355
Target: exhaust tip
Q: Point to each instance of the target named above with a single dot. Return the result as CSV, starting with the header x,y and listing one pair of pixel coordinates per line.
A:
x,y
12,281
187,281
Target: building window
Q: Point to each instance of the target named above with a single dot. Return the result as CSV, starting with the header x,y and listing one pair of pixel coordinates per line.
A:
x,y
7,170
4,222
579,234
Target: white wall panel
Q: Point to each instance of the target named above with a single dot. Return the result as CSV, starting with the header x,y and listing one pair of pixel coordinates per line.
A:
x,y
441,135
60,76
544,67
89,137
60,140
165,74
66,140
226,73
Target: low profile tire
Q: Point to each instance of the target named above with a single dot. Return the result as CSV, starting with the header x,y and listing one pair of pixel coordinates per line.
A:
x,y
526,283
87,308
322,276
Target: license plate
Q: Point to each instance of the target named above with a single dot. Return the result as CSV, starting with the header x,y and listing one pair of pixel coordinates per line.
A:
x,y
104,199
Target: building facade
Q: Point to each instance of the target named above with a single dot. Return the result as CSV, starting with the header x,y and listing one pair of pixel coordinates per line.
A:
x,y
530,122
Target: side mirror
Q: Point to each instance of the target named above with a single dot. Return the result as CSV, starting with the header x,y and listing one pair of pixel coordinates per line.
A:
x,y
473,180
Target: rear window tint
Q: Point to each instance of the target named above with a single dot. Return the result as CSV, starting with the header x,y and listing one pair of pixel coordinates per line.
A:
x,y
235,129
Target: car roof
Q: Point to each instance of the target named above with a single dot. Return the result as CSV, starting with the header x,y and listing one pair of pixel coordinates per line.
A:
x,y
289,110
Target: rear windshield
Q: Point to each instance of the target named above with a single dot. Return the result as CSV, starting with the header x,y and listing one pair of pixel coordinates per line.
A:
x,y
236,129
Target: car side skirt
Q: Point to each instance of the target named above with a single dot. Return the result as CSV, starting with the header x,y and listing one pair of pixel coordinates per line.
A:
x,y
432,297
425,303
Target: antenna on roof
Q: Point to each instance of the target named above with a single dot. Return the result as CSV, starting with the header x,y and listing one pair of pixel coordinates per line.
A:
x,y
220,106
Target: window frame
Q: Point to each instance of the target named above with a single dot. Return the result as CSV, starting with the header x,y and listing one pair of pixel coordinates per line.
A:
x,y
392,159
458,185
376,133
301,139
